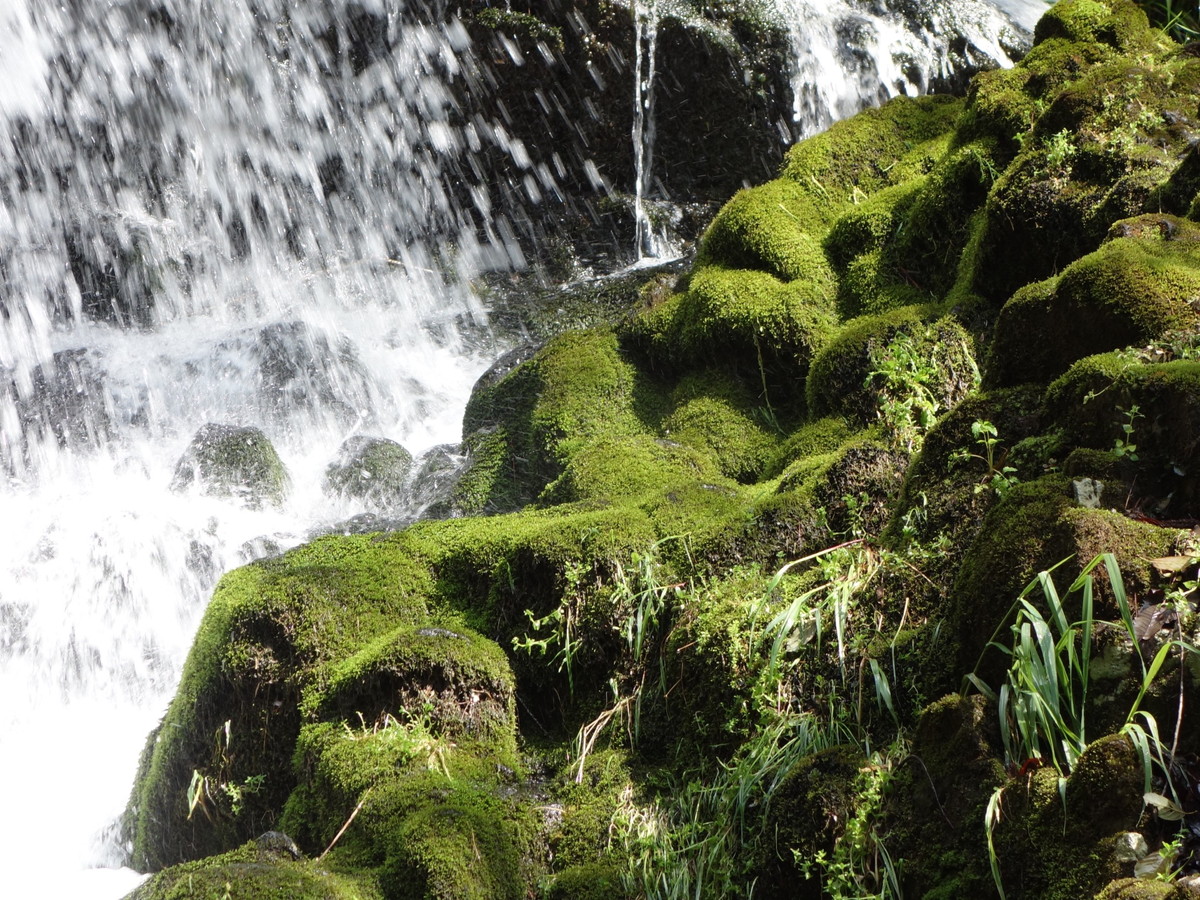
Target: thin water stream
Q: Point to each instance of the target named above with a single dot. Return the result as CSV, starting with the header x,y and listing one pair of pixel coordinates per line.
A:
x,y
240,213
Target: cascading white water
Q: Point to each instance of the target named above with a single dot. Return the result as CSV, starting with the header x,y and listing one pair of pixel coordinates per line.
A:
x,y
849,55
241,213
223,212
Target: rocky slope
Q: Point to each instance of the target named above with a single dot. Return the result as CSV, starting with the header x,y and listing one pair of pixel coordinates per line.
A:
x,y
742,545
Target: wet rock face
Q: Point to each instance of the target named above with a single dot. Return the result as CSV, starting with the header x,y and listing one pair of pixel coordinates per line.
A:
x,y
65,403
235,462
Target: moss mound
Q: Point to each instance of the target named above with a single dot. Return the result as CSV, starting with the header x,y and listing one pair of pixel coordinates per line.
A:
x,y
1140,285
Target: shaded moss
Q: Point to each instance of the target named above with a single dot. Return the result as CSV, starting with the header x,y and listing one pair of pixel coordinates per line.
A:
x,y
935,812
808,814
1094,399
1133,289
1034,527
591,881
812,439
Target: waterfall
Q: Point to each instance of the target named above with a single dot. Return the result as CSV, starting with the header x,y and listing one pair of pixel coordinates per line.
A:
x,y
645,41
849,55
228,213
257,214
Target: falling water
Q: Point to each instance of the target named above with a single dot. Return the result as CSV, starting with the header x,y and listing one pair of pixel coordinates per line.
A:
x,y
645,39
247,213
228,213
847,55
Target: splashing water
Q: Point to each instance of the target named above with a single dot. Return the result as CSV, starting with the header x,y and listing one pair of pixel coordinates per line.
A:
x,y
848,56
224,213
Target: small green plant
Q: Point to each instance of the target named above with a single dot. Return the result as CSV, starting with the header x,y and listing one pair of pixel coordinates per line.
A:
x,y
999,476
217,794
554,634
1043,702
1060,150
1124,446
1179,20
860,866
642,606
904,379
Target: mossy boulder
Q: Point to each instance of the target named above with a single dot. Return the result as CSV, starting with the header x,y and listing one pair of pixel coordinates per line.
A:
x,y
1107,119
459,682
1048,847
1101,394
808,814
763,325
842,380
1037,526
935,814
628,467
592,881
1140,285
236,462
523,427
371,469
254,873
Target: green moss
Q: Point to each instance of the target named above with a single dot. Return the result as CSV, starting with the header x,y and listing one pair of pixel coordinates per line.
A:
x,y
1135,889
723,419
873,150
521,25
1132,290
1093,400
629,467
1121,24
812,439
577,388
235,715
462,844
457,680
250,873
773,228
229,461
839,383
763,326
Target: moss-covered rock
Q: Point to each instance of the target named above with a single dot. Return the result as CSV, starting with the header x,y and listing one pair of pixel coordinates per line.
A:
x,y
578,387
236,462
1101,110
371,469
808,814
254,874
1139,286
843,382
